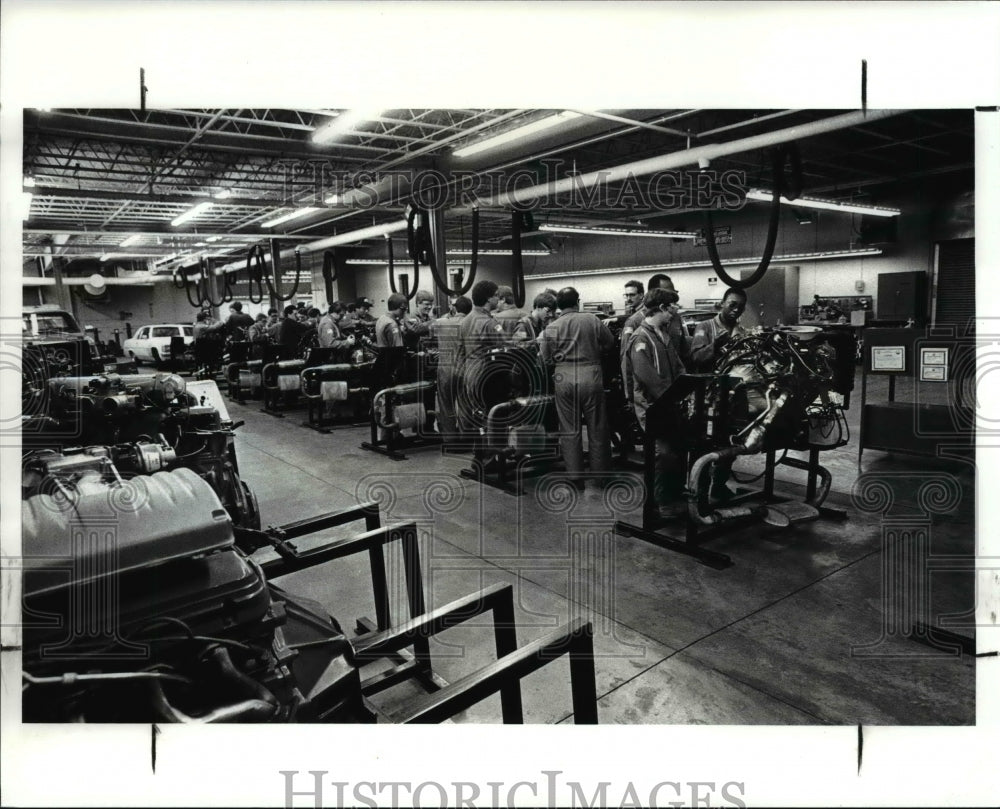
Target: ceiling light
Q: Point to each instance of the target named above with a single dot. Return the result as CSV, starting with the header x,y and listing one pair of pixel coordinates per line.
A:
x,y
346,121
516,134
26,204
213,238
295,214
499,252
225,193
191,213
29,181
610,231
691,265
763,195
131,240
333,199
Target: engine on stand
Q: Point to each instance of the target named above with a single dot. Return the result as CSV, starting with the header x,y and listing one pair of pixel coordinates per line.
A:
x,y
771,392
150,422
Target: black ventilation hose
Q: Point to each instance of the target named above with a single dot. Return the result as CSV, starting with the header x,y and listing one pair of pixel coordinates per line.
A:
x,y
186,284
330,265
255,273
418,244
516,224
274,288
205,267
777,170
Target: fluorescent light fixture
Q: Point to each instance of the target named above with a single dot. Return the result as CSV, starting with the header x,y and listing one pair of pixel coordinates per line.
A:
x,y
29,181
333,199
225,193
345,122
213,238
692,265
612,231
26,204
165,259
287,217
499,252
191,213
763,195
131,240
516,134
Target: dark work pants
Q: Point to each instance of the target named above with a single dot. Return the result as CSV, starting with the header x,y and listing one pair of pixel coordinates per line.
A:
x,y
579,396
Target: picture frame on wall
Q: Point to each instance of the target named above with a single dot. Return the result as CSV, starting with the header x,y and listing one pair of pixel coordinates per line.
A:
x,y
933,364
889,358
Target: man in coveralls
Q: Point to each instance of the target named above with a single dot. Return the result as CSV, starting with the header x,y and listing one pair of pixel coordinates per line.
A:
x,y
573,344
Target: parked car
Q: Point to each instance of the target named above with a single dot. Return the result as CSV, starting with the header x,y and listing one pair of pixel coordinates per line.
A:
x,y
152,343
57,342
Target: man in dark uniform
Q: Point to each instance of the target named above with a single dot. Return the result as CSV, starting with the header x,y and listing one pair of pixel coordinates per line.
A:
x,y
238,322
291,330
477,334
653,365
573,344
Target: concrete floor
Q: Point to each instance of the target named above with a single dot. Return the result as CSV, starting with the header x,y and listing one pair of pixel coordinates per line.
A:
x,y
800,630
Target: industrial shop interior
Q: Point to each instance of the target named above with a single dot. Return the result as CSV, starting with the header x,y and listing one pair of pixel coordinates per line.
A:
x,y
619,416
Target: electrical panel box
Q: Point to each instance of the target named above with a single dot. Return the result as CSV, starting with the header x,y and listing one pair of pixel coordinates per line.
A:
x,y
902,296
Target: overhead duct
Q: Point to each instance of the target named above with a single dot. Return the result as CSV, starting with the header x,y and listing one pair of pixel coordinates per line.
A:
x,y
675,160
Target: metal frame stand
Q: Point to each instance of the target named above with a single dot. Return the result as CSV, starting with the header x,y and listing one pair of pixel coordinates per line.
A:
x,y
695,535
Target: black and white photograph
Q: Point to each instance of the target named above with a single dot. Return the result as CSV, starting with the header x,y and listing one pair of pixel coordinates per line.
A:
x,y
612,430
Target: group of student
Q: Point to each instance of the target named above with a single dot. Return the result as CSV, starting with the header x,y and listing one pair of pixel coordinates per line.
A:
x,y
654,349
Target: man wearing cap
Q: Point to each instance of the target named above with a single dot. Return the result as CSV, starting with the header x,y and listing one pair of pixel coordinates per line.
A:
x,y
573,344
359,316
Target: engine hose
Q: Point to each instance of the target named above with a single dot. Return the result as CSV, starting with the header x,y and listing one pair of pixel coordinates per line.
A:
x,y
255,273
251,710
698,470
826,480
418,242
777,171
518,261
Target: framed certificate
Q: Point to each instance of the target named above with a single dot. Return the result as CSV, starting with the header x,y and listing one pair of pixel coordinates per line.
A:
x,y
888,358
933,364
933,356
